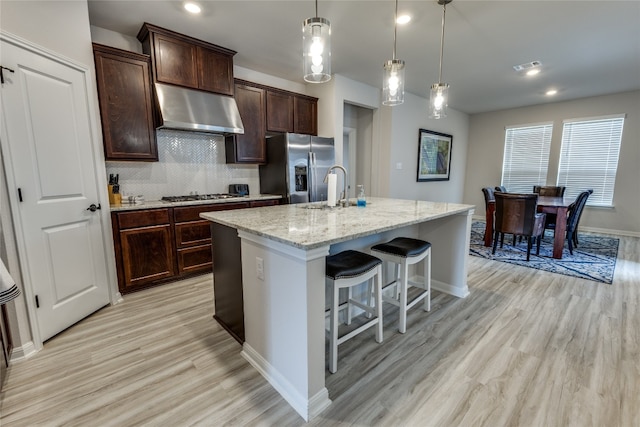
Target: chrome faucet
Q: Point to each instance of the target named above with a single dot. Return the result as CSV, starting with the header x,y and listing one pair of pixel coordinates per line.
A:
x,y
344,197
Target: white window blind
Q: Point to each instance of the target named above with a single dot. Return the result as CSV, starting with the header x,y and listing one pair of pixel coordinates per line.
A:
x,y
526,157
589,157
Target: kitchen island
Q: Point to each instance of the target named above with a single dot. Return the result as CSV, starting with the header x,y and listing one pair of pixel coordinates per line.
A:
x,y
283,251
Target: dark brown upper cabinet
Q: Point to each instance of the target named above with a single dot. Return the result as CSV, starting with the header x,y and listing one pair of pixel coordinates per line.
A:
x,y
291,112
279,111
249,147
125,98
184,61
305,115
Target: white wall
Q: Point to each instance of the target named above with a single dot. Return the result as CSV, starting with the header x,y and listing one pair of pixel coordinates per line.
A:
x,y
406,121
486,146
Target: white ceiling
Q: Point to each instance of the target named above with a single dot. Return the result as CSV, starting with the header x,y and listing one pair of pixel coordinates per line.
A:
x,y
587,48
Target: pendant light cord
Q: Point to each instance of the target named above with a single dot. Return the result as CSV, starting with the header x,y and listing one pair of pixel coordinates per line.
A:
x,y
444,13
316,8
395,31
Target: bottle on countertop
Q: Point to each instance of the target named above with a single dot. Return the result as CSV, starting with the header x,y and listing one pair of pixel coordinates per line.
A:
x,y
362,200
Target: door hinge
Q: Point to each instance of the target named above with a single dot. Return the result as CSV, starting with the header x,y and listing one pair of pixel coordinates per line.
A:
x,y
20,194
37,302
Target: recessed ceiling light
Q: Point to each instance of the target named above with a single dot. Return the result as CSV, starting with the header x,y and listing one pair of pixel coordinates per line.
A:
x,y
192,7
551,92
533,71
403,19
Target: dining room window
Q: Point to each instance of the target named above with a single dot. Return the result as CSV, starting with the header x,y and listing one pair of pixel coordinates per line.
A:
x,y
526,156
589,157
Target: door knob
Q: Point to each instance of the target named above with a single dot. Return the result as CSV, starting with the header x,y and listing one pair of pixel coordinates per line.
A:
x,y
93,207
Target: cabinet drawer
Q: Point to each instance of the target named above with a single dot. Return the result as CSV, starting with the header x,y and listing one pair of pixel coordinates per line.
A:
x,y
259,203
143,218
193,233
192,213
197,258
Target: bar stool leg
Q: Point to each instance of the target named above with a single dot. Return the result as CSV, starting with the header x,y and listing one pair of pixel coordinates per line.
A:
x,y
377,289
333,330
404,273
349,307
427,280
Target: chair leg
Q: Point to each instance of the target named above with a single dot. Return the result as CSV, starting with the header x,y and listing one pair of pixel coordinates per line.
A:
x,y
349,306
333,331
427,280
495,242
570,240
377,290
402,326
528,247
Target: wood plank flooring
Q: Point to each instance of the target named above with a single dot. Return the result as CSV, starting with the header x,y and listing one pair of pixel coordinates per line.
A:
x,y
526,348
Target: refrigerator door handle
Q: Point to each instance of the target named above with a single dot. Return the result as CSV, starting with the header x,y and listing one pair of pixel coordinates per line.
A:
x,y
312,173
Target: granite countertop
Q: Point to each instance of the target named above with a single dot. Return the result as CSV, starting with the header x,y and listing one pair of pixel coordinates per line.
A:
x,y
307,226
152,204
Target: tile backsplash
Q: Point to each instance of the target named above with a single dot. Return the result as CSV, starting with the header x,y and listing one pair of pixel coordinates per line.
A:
x,y
188,162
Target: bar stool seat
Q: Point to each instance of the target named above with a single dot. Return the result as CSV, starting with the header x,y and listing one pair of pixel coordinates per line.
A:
x,y
403,252
348,269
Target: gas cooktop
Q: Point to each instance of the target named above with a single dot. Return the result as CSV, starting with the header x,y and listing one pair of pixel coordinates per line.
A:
x,y
193,197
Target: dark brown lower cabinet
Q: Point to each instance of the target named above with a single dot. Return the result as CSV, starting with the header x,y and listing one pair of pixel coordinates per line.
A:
x,y
5,342
145,253
156,246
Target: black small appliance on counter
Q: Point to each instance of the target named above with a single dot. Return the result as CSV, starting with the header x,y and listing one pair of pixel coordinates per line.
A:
x,y
239,189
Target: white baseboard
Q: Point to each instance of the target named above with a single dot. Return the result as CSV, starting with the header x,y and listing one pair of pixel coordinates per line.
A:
x,y
23,352
307,408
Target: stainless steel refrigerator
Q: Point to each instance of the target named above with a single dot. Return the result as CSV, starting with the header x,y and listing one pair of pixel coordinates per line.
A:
x,y
296,166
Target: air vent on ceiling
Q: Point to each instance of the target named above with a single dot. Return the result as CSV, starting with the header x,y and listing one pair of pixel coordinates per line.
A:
x,y
527,66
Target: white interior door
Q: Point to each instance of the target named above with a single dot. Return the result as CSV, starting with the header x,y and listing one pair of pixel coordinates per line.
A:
x,y
48,153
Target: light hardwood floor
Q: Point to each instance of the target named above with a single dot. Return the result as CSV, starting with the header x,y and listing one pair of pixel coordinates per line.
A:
x,y
526,348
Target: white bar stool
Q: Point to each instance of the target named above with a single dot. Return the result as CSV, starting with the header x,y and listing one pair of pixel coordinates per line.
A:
x,y
403,252
346,270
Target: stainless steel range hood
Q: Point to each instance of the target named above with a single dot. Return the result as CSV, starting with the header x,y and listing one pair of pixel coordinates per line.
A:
x,y
197,111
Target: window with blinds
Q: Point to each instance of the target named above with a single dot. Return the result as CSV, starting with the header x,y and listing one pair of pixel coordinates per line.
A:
x,y
526,157
589,157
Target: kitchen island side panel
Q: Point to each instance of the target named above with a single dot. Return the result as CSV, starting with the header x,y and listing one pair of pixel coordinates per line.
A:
x,y
227,280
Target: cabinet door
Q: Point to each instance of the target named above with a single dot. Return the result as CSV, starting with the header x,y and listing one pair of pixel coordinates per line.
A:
x,y
251,146
147,255
305,115
279,112
175,61
124,93
215,71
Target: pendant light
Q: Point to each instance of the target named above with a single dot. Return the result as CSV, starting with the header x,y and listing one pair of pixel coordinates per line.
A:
x,y
393,80
316,49
439,98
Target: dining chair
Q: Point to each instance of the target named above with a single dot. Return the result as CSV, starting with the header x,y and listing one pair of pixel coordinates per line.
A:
x,y
500,188
549,190
516,214
575,212
488,198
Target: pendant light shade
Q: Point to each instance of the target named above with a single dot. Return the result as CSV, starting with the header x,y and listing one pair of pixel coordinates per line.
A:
x,y
439,99
316,49
393,79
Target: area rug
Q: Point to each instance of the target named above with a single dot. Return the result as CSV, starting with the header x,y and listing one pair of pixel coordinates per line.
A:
x,y
594,259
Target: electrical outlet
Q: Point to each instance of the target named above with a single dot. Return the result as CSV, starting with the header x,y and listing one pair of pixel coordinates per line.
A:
x,y
259,268
398,166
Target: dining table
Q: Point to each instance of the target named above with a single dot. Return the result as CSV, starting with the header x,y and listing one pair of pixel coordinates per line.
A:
x,y
550,205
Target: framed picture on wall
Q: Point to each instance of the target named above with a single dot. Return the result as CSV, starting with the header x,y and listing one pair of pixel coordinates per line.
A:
x,y
434,156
